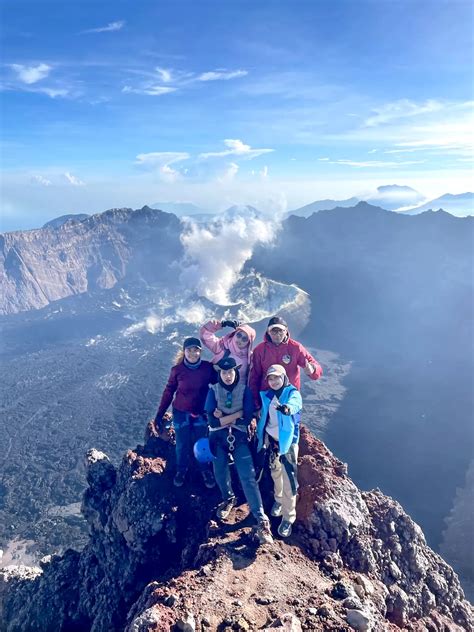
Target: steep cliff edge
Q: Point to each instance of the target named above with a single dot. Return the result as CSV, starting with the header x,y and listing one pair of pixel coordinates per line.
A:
x,y
157,561
45,265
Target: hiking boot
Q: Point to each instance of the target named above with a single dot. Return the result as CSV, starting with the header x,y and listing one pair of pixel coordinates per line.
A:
x,y
275,510
208,479
178,480
264,534
225,507
285,528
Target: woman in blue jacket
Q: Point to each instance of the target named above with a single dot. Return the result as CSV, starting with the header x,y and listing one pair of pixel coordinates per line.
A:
x,y
278,430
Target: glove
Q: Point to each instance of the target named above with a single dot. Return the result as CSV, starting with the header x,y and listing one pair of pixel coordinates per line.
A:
x,y
284,409
213,421
230,323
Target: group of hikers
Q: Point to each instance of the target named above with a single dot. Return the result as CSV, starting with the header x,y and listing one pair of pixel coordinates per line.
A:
x,y
216,404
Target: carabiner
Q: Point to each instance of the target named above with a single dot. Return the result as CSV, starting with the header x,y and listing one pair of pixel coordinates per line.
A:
x,y
230,441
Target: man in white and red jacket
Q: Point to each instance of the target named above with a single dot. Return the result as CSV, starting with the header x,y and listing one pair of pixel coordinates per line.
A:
x,y
279,348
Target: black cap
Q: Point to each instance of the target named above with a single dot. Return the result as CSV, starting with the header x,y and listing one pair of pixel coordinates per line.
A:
x,y
227,363
277,320
192,342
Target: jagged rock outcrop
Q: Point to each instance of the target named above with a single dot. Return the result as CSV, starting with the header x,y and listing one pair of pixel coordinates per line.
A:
x,y
44,265
157,561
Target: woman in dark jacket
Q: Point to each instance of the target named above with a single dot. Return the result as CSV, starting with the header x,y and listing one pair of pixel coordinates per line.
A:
x,y
186,389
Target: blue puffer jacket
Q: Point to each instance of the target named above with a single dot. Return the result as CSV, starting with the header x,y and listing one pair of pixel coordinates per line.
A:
x,y
289,425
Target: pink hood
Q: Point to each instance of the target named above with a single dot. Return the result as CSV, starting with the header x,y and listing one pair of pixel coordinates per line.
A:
x,y
219,346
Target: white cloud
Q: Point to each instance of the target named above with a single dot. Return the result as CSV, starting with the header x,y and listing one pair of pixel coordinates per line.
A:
x,y
402,151
216,75
443,129
402,109
165,75
178,80
31,74
236,148
168,173
53,92
263,173
374,151
323,159
73,179
41,180
152,90
157,158
229,174
112,26
160,162
375,163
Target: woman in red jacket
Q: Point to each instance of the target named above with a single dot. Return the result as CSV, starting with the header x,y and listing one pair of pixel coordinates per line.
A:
x,y
186,389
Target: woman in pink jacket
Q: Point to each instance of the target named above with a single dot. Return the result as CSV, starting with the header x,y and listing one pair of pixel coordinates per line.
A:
x,y
237,344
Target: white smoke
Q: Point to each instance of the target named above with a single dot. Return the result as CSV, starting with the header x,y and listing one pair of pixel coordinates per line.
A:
x,y
167,314
216,253
194,314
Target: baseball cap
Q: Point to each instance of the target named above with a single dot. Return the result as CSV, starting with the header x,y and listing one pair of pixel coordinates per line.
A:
x,y
277,321
276,369
192,342
225,364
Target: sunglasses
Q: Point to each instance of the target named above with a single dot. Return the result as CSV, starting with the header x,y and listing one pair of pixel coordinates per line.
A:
x,y
277,330
242,336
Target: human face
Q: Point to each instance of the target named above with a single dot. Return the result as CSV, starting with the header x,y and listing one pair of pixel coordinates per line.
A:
x,y
241,339
192,354
228,376
277,334
275,381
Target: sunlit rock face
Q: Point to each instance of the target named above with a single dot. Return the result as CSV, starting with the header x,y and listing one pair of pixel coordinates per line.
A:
x,y
156,559
40,266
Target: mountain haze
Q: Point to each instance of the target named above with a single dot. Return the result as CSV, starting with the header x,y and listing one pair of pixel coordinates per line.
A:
x,y
461,205
383,299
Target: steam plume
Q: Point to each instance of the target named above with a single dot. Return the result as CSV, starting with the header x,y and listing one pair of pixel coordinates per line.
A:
x,y
217,252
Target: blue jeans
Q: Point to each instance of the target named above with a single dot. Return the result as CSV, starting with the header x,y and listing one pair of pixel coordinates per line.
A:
x,y
245,469
188,429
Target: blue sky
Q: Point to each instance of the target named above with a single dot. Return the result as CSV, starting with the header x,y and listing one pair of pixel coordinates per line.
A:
x,y
273,104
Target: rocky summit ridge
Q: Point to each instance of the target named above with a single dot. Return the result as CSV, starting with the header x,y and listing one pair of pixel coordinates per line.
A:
x,y
156,559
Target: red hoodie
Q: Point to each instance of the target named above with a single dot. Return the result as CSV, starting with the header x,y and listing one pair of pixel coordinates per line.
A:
x,y
290,354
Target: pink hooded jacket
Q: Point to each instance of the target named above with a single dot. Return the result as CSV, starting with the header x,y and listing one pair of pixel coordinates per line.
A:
x,y
219,346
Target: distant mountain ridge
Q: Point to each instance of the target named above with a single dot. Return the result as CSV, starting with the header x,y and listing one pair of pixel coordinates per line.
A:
x,y
460,205
180,208
401,199
59,221
322,205
40,266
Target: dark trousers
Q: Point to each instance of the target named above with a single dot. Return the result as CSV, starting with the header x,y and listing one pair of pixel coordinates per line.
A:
x,y
188,429
244,465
